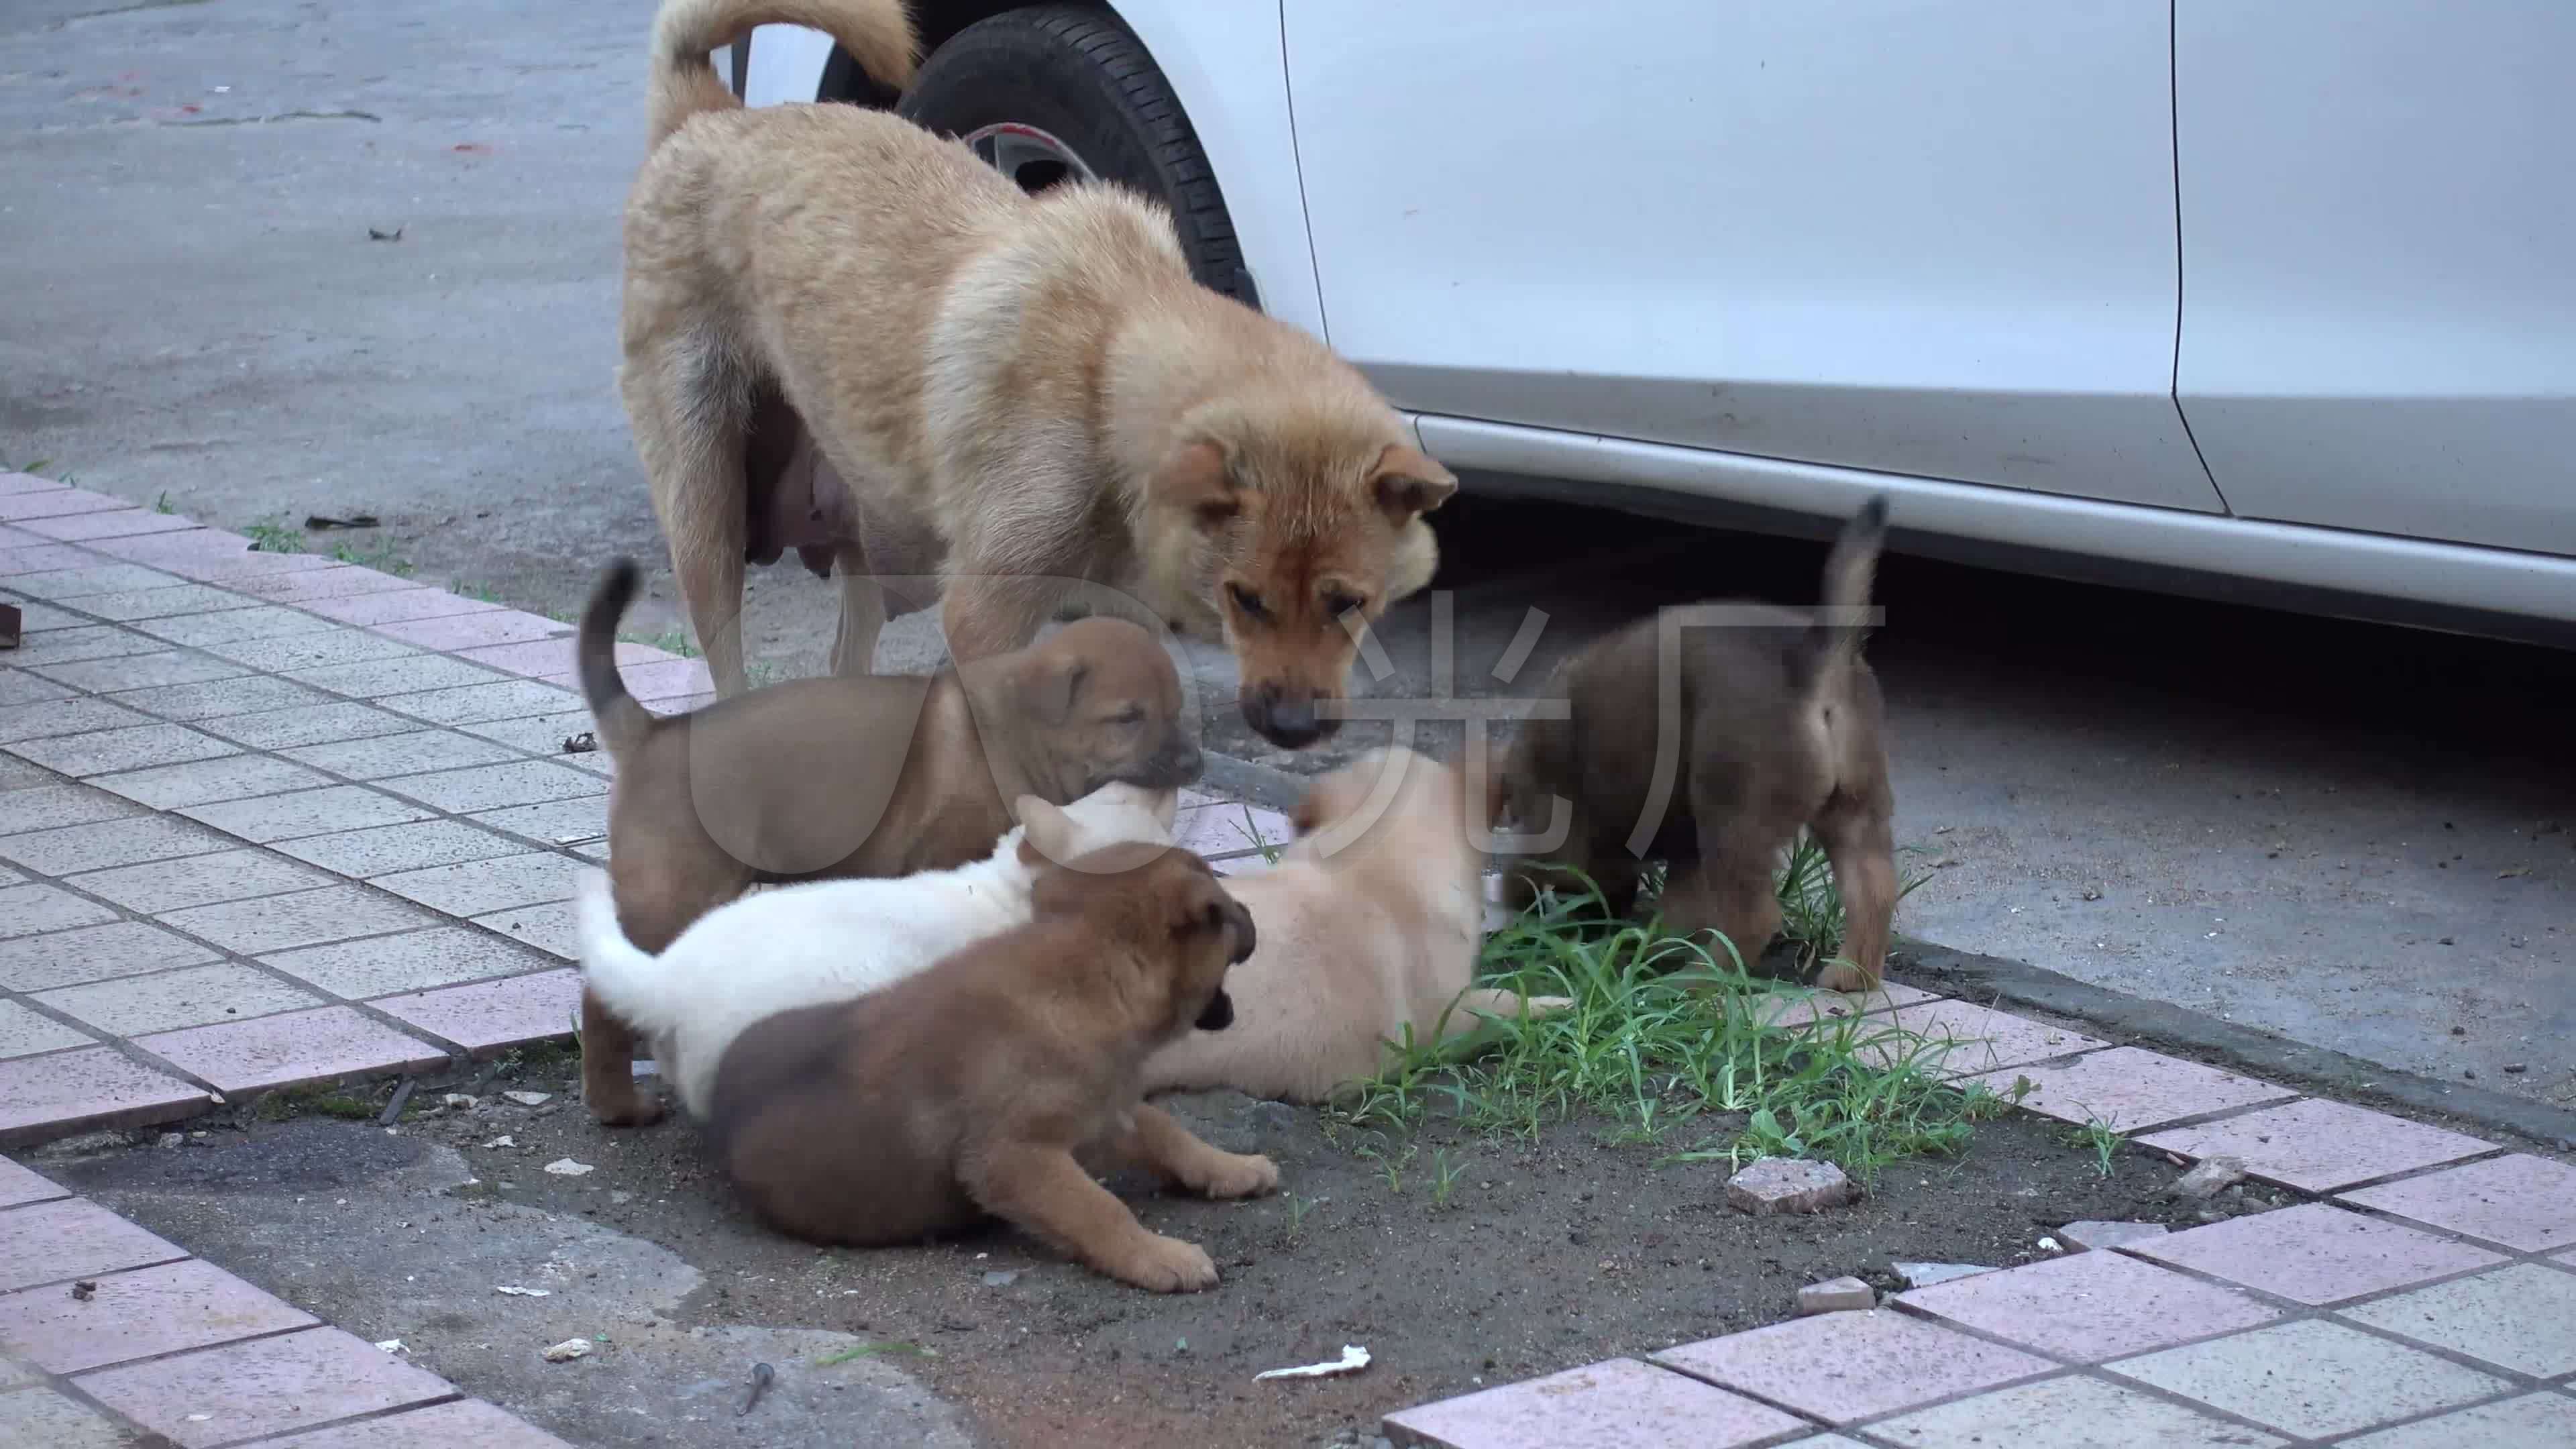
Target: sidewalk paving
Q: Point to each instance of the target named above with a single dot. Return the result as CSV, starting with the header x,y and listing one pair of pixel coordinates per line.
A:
x,y
272,819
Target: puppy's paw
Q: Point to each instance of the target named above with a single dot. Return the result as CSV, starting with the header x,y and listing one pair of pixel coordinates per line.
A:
x,y
630,1108
1165,1265
1542,1005
1844,976
1234,1175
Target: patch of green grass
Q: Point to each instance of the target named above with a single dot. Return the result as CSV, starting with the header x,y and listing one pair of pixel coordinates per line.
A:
x,y
669,641
1668,1036
162,503
874,1350
1252,831
288,1102
1811,910
1444,1176
1298,1207
2102,1139
484,592
378,555
274,537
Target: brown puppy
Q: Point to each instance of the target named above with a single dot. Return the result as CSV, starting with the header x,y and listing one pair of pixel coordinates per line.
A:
x,y
1780,725
1029,394
989,1084
872,776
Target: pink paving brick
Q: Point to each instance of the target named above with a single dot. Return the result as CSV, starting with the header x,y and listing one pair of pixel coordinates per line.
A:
x,y
93,1089
54,1242
1620,1404
12,481
18,1186
1845,1366
459,1424
376,610
2090,1307
1797,1007
2315,1254
2526,1203
42,558
178,551
2133,1089
267,1386
489,1016
337,582
2319,1146
298,1046
476,630
54,502
167,1309
678,679
1960,1038
108,523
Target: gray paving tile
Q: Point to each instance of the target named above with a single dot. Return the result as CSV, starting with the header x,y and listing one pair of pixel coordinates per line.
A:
x,y
340,645
26,910
544,735
46,807
309,725
108,751
2064,1413
54,637
480,703
162,603
200,782
141,671
2520,1317
94,953
404,754
201,880
2534,1421
17,774
415,961
2311,1378
480,887
248,694
307,918
336,808
212,632
105,843
549,927
25,1032
103,578
409,675
168,1000
18,686
556,822
493,787
42,1416
389,848
63,717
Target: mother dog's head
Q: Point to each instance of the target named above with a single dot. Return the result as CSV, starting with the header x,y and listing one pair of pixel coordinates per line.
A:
x,y
1274,518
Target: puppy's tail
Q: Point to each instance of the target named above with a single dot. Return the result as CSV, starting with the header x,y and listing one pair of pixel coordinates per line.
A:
x,y
618,719
878,35
626,980
1849,571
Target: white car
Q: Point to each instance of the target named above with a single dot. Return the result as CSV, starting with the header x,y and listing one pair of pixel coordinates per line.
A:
x,y
2198,294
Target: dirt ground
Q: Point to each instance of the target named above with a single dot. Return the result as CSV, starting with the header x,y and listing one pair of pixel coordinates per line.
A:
x,y
1537,1256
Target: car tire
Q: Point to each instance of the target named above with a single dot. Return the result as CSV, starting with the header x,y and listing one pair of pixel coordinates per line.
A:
x,y
1074,80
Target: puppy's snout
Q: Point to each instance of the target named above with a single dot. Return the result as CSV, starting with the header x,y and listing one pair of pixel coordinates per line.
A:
x,y
1176,764
1286,716
1219,1013
1239,916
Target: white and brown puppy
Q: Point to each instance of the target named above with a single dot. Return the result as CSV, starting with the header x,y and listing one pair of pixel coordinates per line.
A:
x,y
1370,923
1031,393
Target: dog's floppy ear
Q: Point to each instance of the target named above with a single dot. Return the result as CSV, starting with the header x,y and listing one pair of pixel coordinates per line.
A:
x,y
1050,687
1047,832
1195,477
1408,483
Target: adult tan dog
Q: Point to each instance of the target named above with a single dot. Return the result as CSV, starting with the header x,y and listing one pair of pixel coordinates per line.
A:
x,y
872,776
1779,724
990,1084
1030,390
1371,924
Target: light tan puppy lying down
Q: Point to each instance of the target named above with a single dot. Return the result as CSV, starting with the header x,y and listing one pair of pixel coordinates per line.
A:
x,y
1371,921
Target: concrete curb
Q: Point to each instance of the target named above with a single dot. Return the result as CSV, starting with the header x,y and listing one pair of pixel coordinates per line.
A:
x,y
1994,978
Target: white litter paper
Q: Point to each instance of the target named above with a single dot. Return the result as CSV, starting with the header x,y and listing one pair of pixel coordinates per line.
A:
x,y
566,1167
570,1348
1353,1359
392,1345
515,1291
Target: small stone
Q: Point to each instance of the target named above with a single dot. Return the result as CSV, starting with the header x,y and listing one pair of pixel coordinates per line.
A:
x,y
1787,1185
460,1101
2447,941
566,1167
2213,1176
171,1139
529,1099
504,1140
568,1350
1002,1278
2091,1234
1924,1275
2515,1069
1837,1295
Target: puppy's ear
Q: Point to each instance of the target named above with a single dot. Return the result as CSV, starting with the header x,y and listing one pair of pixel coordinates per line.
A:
x,y
1407,483
1051,687
1048,832
1195,478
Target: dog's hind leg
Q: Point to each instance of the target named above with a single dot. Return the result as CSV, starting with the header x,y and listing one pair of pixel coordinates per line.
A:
x,y
689,402
1861,847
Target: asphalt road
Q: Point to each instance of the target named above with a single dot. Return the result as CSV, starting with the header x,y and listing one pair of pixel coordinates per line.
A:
x,y
2361,837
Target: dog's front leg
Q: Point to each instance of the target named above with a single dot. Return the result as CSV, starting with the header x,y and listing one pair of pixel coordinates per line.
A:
x,y
1154,1141
984,614
863,613
1044,1190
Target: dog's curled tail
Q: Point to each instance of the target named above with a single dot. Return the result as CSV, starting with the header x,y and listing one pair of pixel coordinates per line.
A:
x,y
878,35
625,979
1849,571
617,720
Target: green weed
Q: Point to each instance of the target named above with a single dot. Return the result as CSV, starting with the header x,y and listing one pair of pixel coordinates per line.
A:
x,y
378,555
2102,1139
273,537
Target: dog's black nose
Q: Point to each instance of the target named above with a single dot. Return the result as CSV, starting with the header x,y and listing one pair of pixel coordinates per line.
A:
x,y
1286,720
1219,1014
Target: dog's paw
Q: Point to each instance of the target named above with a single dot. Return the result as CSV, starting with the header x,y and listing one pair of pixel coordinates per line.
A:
x,y
1167,1265
630,1108
1234,1175
1844,976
